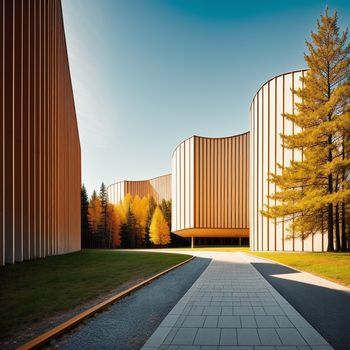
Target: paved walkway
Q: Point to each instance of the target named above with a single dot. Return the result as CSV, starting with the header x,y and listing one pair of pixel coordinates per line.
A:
x,y
231,306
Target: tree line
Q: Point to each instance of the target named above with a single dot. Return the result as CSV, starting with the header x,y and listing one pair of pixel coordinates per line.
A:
x,y
314,193
133,223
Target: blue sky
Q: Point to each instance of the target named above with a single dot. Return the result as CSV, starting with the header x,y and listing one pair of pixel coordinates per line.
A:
x,y
149,73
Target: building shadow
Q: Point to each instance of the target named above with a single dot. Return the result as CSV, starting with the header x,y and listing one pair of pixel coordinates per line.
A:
x,y
326,309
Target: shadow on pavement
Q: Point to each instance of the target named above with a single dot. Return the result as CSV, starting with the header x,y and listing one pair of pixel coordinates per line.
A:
x,y
327,310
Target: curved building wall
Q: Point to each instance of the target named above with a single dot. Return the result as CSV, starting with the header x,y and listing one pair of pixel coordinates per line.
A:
x,y
210,186
39,145
158,187
267,123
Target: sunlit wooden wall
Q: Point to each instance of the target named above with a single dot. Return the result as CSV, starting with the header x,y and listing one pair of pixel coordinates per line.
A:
x,y
210,187
158,187
40,173
272,101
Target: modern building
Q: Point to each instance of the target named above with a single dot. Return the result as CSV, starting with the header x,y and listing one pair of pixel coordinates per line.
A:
x,y
272,101
210,187
39,146
159,188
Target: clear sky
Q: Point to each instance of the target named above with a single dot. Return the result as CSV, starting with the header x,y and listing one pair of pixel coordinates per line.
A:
x,y
149,73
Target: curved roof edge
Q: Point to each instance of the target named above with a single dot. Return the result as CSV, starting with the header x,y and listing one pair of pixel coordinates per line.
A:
x,y
275,77
208,137
153,178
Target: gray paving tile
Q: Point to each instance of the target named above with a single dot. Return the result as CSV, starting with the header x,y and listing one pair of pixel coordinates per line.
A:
x,y
196,310
180,321
268,336
169,338
266,322
193,321
243,310
207,336
248,336
290,336
235,347
299,322
229,322
212,311
274,310
184,336
259,310
158,336
311,336
211,321
169,321
226,310
283,321
209,347
248,322
228,337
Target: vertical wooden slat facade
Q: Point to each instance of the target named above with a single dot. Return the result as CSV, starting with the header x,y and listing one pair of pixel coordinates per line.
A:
x,y
272,101
158,187
210,187
40,161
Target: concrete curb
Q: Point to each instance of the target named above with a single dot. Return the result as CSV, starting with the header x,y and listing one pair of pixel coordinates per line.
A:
x,y
72,322
336,285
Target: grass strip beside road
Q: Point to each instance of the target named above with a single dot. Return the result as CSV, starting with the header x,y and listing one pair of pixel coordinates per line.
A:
x,y
33,290
332,266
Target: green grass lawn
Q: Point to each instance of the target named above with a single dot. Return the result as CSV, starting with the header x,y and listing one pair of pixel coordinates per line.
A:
x,y
35,289
332,266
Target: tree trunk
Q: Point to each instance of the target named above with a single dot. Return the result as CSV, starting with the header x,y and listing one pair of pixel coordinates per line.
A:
x,y
343,228
330,247
337,228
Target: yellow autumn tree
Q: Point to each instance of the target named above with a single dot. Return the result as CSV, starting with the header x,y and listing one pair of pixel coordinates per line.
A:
x,y
127,202
159,229
95,213
315,191
139,208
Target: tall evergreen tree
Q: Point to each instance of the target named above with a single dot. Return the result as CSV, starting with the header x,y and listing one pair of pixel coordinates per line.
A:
x,y
95,220
85,228
104,234
165,207
127,230
310,189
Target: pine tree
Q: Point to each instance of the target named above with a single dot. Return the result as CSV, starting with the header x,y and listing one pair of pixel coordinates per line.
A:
x,y
103,230
159,229
165,207
310,189
85,229
127,230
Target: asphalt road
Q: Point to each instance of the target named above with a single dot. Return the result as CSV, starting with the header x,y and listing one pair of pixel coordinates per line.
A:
x,y
327,310
129,323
